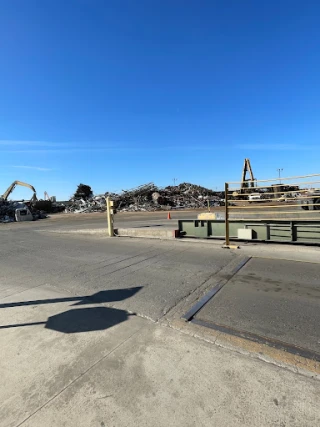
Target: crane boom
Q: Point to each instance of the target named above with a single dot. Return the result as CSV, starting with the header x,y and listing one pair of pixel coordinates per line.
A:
x,y
244,180
13,186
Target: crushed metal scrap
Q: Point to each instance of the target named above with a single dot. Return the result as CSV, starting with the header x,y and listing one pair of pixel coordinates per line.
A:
x,y
148,198
32,210
94,204
11,211
145,198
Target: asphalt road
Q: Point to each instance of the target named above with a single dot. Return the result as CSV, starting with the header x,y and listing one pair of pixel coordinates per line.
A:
x,y
150,276
153,277
71,360
274,298
99,220
142,219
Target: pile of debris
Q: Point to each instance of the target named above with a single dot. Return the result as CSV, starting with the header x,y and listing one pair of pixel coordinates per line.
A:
x,y
11,211
93,204
32,210
148,198
145,198
188,195
141,198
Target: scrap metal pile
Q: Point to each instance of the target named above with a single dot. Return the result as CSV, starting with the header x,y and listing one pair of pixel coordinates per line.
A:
x,y
11,211
137,199
93,204
188,195
149,197
32,210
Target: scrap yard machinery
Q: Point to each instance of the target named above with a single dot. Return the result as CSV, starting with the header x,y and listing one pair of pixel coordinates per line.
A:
x,y
247,184
7,193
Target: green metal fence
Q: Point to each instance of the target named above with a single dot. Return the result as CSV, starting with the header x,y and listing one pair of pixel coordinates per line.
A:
x,y
286,210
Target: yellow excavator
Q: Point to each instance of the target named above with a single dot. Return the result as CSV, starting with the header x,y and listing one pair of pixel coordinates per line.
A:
x,y
7,193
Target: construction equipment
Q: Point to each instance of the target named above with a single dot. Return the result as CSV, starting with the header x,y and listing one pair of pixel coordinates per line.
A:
x,y
48,198
13,186
247,184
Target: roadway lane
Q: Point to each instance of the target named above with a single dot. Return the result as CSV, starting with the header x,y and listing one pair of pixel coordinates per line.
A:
x,y
140,219
159,273
98,220
277,299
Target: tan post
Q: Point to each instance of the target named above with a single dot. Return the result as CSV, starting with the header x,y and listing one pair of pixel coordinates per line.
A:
x,y
226,198
110,217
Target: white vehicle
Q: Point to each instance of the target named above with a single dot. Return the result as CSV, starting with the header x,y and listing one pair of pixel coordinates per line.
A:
x,y
288,197
254,196
283,198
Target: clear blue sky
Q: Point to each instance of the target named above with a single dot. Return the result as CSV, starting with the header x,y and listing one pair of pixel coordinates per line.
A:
x,y
117,93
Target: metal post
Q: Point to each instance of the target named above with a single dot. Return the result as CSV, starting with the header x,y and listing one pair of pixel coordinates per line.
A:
x,y
226,198
279,171
110,217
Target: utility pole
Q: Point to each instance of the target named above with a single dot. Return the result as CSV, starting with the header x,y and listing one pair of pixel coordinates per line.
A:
x,y
279,171
174,181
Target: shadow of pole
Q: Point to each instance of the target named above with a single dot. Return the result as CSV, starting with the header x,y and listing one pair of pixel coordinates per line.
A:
x,y
97,298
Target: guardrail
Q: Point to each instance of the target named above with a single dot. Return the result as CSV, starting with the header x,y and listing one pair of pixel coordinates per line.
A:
x,y
290,200
304,232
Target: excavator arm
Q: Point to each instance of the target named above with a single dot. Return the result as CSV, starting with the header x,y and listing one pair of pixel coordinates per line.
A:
x,y
13,186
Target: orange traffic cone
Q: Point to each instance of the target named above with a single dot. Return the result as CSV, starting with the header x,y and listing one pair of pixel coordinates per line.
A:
x,y
169,216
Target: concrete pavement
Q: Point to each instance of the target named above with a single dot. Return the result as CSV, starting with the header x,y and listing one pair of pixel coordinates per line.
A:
x,y
133,372
90,334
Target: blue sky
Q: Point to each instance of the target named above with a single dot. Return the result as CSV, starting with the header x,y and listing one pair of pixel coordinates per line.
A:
x,y
115,94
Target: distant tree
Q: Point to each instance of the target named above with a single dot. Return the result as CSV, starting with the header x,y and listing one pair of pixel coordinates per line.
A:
x,y
83,192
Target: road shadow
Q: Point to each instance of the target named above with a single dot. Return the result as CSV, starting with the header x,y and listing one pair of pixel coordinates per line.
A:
x,y
109,296
80,319
101,297
86,320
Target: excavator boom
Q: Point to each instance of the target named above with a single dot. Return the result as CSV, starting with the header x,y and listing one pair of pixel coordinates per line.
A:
x,y
13,186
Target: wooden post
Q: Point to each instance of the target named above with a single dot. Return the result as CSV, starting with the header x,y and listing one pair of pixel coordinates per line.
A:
x,y
110,217
226,198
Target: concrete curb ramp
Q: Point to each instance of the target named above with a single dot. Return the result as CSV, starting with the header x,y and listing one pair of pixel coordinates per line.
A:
x,y
148,232
155,233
